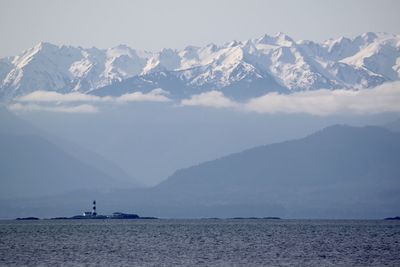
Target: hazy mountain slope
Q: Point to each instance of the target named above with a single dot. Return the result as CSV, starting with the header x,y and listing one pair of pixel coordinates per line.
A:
x,y
31,166
393,126
240,69
13,126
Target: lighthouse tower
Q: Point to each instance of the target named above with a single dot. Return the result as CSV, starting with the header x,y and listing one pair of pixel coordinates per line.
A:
x,y
94,213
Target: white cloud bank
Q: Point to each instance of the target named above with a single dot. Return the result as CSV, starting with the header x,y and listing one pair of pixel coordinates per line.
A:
x,y
156,95
381,99
69,103
384,98
210,99
84,108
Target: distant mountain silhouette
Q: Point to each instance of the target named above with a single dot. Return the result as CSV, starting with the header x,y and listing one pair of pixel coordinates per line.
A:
x,y
338,172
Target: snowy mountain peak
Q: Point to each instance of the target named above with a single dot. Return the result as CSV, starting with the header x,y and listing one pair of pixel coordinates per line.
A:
x,y
368,36
233,43
284,39
44,45
279,39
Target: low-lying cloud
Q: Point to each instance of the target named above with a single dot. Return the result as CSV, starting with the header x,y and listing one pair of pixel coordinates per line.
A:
x,y
71,102
210,99
156,95
324,102
84,108
384,98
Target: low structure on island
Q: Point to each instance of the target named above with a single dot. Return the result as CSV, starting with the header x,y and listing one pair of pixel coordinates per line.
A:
x,y
88,214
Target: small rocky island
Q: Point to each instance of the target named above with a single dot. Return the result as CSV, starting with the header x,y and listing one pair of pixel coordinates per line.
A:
x,y
397,218
115,215
93,215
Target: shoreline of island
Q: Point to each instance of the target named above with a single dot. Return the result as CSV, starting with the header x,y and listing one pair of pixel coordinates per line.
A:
x,y
114,216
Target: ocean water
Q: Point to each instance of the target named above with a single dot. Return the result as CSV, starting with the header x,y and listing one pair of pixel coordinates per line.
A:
x,y
209,242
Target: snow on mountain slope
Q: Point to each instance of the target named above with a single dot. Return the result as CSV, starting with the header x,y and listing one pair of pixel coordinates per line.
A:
x,y
241,69
65,69
380,57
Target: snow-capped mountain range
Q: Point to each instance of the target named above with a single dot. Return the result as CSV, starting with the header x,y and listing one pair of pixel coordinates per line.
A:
x,y
238,69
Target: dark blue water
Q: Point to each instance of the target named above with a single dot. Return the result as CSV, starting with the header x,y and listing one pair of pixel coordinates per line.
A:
x,y
200,242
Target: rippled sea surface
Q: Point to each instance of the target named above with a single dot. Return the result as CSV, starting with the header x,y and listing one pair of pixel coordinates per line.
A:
x,y
200,242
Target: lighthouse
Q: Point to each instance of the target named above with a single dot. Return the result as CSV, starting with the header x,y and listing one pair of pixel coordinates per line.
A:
x,y
94,213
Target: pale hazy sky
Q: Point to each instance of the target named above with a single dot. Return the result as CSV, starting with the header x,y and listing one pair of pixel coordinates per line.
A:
x,y
154,24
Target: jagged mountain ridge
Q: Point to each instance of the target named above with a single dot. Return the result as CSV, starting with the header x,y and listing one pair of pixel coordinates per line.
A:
x,y
240,69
